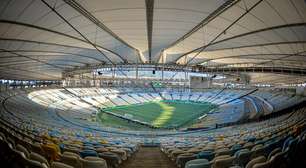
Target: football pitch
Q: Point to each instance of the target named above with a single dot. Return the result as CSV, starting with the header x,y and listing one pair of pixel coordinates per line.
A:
x,y
159,114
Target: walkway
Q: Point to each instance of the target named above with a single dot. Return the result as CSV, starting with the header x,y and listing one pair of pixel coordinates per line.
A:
x,y
148,157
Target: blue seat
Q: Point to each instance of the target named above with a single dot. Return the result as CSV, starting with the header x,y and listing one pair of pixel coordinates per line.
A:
x,y
286,143
236,147
209,155
243,157
86,153
271,145
259,142
251,139
88,148
291,155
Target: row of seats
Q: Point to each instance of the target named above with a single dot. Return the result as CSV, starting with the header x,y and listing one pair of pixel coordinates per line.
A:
x,y
258,157
19,156
236,148
29,150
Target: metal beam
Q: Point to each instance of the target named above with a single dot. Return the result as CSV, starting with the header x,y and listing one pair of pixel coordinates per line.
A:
x,y
199,69
78,7
275,70
228,27
17,76
43,51
258,45
247,56
18,62
75,29
245,34
149,11
279,59
37,60
19,70
259,31
227,4
56,32
54,44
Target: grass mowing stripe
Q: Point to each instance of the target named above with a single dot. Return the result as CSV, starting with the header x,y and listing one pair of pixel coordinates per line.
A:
x,y
164,116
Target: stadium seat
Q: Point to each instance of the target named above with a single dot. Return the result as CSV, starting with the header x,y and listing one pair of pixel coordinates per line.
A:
x,y
86,153
286,143
121,153
236,147
224,162
183,158
71,149
276,150
39,158
102,149
243,157
209,155
26,162
23,150
93,162
278,160
60,165
35,147
111,158
223,151
198,163
266,164
34,164
259,159
71,160
257,150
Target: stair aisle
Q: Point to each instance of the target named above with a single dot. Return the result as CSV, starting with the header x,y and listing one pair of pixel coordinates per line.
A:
x,y
149,157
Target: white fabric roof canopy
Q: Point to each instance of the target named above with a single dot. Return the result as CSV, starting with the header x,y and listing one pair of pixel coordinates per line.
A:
x,y
39,39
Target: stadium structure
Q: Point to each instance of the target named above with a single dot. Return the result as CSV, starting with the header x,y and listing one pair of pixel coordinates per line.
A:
x,y
153,83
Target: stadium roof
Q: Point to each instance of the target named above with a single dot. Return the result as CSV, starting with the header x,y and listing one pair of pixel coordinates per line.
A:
x,y
39,39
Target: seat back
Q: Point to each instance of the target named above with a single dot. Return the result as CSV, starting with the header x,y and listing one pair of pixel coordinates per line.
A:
x,y
86,153
71,160
243,157
35,147
183,158
276,150
93,162
209,155
254,161
111,158
197,163
224,162
34,164
39,158
266,164
286,143
258,152
279,161
60,165
23,150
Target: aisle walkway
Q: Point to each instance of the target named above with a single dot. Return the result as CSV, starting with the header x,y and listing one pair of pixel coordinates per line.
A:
x,y
148,157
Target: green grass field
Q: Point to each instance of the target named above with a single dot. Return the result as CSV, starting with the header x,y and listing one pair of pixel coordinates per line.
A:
x,y
161,114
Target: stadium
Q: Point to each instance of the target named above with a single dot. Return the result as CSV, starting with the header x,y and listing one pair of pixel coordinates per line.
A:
x,y
153,83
